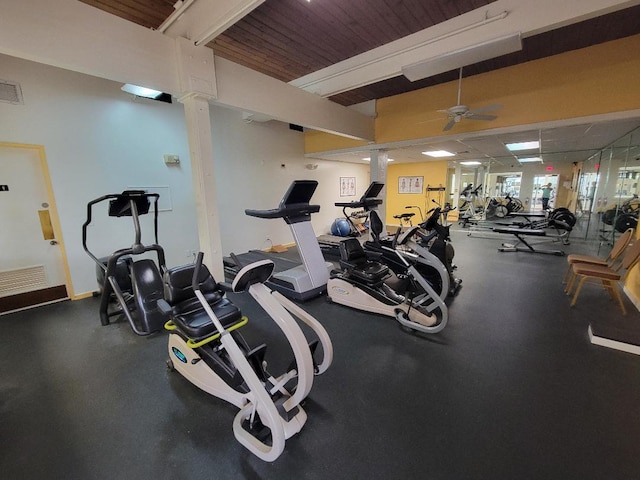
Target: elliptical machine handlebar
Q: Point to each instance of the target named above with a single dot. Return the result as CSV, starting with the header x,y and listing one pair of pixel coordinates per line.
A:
x,y
129,203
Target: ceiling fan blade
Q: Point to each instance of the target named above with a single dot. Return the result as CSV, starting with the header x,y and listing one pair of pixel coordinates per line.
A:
x,y
488,108
449,125
459,86
473,116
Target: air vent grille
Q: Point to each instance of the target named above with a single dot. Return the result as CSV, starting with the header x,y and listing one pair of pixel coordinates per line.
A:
x,y
10,92
22,279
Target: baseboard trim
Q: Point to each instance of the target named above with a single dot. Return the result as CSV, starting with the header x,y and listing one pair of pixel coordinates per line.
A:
x,y
606,342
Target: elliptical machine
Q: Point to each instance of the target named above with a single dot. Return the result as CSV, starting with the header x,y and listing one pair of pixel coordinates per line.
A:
x,y
367,284
206,347
469,212
429,246
133,286
431,267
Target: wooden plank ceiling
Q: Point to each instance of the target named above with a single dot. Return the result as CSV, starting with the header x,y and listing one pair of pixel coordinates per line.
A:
x,y
287,39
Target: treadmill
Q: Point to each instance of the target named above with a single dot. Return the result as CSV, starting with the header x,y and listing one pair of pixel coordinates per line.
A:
x,y
308,280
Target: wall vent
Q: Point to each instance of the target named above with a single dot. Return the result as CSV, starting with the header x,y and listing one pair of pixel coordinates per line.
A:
x,y
10,92
22,280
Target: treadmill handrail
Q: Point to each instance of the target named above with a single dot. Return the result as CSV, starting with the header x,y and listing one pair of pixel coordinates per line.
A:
x,y
290,211
368,202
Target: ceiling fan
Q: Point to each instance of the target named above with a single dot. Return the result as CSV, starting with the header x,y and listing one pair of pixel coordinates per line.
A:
x,y
458,112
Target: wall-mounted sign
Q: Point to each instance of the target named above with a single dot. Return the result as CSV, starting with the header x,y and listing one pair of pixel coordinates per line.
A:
x,y
4,188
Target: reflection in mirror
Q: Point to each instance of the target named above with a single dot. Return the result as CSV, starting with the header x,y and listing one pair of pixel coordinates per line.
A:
x,y
607,189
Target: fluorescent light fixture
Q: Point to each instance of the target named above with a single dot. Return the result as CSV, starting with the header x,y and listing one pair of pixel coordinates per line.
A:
x,y
146,92
439,153
530,160
466,56
368,159
514,147
471,162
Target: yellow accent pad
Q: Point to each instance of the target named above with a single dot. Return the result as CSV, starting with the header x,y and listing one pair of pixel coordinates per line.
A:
x,y
192,344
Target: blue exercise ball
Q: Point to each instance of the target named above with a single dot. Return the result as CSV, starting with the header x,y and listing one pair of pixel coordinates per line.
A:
x,y
340,227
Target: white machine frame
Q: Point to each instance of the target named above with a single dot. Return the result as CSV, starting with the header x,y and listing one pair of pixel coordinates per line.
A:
x,y
258,399
409,312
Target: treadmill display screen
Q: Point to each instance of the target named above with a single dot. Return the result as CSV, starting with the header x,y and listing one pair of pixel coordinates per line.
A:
x,y
300,192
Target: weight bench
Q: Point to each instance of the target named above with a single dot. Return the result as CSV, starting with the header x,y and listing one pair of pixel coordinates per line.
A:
x,y
520,233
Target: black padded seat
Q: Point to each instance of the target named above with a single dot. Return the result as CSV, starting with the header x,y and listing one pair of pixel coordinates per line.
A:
x,y
354,259
187,311
197,324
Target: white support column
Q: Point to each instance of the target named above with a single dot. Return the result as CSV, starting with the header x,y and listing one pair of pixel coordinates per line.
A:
x,y
378,173
204,185
457,186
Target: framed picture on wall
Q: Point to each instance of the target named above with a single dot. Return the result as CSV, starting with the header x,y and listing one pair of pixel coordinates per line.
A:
x,y
347,186
410,184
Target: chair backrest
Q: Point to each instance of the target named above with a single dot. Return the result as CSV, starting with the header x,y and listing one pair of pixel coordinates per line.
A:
x,y
351,251
631,257
376,225
620,245
178,288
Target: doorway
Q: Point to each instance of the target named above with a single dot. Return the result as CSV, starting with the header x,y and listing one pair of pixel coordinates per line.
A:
x,y
539,182
33,267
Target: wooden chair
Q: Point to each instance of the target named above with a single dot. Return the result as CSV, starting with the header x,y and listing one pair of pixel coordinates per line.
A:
x,y
610,277
614,255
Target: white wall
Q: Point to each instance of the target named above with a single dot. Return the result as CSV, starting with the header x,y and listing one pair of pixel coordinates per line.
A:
x,y
255,164
100,140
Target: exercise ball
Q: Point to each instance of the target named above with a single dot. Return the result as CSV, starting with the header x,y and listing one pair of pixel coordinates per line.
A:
x,y
340,227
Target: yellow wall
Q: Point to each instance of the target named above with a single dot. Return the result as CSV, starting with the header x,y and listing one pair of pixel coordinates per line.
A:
x,y
316,141
434,173
590,81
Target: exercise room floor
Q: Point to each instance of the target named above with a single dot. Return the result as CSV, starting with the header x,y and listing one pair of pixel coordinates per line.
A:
x,y
511,389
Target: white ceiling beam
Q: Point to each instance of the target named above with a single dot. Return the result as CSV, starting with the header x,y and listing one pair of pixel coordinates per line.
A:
x,y
203,20
500,18
77,37
245,89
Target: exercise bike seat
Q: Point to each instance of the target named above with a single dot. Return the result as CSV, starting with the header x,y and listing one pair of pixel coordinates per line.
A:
x,y
187,312
353,258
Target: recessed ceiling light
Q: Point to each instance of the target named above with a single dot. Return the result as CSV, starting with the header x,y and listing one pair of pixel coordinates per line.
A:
x,y
367,159
439,153
146,92
514,147
530,160
471,162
